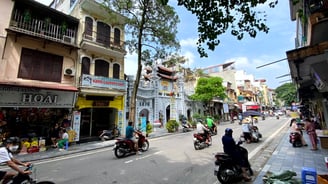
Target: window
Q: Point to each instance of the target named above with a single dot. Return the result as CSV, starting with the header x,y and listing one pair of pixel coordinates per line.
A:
x,y
85,69
116,71
103,34
88,28
36,65
117,37
101,68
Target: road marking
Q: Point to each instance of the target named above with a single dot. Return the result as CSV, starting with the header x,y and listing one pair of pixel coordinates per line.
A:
x,y
143,157
257,149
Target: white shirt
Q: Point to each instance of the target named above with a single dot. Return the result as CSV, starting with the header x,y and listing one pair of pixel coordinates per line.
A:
x,y
5,156
65,135
245,127
200,128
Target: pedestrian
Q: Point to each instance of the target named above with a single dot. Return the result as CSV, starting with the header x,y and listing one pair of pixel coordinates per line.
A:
x,y
310,130
295,128
61,143
54,133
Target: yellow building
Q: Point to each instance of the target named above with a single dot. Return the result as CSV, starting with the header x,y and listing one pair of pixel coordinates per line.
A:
x,y
100,69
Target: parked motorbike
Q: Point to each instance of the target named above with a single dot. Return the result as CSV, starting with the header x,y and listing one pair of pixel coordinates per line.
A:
x,y
226,170
26,179
109,134
200,141
295,139
124,146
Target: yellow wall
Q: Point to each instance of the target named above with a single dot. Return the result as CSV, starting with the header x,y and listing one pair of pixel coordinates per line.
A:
x,y
117,103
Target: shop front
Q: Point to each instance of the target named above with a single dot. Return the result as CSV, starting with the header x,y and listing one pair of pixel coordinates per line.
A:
x,y
99,113
30,112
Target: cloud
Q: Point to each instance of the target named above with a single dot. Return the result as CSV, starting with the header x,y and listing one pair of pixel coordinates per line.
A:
x,y
191,59
189,42
130,64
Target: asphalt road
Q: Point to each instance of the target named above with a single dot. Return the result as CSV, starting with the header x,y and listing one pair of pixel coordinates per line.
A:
x,y
170,159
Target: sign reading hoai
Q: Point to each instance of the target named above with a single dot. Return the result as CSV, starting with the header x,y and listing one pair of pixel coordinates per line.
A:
x,y
39,98
14,96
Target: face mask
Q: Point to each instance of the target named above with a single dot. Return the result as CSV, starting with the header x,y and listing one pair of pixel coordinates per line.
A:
x,y
13,148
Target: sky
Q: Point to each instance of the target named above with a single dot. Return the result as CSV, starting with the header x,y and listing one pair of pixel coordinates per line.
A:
x,y
247,53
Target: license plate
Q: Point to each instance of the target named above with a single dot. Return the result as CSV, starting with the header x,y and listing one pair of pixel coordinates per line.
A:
x,y
216,170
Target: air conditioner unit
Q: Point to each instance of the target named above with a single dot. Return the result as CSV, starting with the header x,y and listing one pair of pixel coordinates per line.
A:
x,y
68,39
69,71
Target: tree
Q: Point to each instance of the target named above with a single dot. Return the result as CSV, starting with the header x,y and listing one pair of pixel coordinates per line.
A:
x,y
215,17
152,28
208,88
286,93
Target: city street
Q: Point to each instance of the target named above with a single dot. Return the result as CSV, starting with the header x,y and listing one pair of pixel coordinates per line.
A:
x,y
170,159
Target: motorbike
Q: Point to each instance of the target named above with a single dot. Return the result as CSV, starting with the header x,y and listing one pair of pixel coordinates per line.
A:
x,y
109,134
200,141
255,134
295,139
124,146
185,127
27,179
213,130
226,170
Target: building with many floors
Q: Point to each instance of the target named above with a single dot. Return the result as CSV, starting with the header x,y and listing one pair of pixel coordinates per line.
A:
x,y
99,72
39,51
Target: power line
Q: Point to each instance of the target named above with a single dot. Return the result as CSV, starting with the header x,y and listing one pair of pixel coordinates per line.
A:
x,y
271,63
281,76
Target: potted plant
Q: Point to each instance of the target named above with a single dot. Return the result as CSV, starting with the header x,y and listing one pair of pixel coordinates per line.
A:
x,y
149,129
172,126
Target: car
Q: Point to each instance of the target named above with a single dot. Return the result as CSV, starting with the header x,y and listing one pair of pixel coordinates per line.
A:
x,y
278,113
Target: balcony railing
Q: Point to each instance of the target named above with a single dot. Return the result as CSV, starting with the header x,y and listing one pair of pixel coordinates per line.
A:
x,y
42,28
104,41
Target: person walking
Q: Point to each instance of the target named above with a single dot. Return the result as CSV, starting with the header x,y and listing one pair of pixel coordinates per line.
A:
x,y
310,130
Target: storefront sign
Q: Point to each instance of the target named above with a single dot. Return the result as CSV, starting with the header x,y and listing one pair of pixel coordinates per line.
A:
x,y
77,124
35,97
103,82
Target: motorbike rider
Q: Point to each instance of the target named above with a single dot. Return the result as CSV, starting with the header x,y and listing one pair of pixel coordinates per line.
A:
x,y
11,146
129,134
210,123
247,131
202,130
230,148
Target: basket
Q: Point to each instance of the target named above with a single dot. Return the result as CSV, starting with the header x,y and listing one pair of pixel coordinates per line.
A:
x,y
324,142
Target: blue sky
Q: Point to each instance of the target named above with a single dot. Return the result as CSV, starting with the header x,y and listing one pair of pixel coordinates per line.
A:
x,y
247,53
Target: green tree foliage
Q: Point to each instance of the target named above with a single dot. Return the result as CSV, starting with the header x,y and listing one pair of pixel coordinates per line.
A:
x,y
216,17
287,93
207,88
151,33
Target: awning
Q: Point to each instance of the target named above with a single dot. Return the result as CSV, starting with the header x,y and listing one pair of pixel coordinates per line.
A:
x,y
252,107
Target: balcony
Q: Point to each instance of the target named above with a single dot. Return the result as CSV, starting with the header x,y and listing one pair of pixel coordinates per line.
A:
x,y
34,19
96,42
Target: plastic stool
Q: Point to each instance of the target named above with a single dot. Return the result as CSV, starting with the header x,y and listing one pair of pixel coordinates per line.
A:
x,y
309,175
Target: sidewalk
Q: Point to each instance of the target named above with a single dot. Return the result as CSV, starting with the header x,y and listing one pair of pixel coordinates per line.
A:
x,y
83,147
286,157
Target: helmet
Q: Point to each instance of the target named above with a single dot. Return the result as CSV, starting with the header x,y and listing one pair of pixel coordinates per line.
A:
x,y
228,131
12,140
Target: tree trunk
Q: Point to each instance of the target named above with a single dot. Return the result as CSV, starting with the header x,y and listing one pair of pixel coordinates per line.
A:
x,y
132,110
